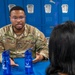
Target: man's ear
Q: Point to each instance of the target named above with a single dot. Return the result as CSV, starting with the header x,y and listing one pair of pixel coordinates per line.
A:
x,y
10,18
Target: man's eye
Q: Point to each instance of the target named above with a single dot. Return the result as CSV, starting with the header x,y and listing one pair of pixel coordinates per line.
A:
x,y
21,17
14,17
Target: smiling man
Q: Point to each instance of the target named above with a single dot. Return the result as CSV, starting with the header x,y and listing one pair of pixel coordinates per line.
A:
x,y
19,36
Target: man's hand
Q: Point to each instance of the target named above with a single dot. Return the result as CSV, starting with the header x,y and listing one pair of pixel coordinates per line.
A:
x,y
38,58
13,63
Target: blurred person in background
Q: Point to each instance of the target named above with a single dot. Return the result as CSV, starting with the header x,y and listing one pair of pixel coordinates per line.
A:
x,y
62,50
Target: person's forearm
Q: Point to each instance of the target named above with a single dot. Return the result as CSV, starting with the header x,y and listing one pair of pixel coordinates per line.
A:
x,y
44,53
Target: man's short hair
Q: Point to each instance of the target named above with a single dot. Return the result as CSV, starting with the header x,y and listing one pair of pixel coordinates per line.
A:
x,y
16,8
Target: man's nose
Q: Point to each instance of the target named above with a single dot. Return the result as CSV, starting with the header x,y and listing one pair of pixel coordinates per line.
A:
x,y
18,19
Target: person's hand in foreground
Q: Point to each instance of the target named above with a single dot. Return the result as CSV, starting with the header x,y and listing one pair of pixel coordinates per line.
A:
x,y
13,63
38,58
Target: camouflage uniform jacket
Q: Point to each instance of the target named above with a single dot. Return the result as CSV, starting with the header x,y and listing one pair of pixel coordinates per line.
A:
x,y
31,38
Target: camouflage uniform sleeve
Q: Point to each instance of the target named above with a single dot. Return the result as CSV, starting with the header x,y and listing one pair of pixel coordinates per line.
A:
x,y
41,44
1,47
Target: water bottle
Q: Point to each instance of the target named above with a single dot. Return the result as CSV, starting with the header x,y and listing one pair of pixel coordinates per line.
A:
x,y
28,62
6,67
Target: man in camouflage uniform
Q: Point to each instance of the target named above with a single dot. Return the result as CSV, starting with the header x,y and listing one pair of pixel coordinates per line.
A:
x,y
18,37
